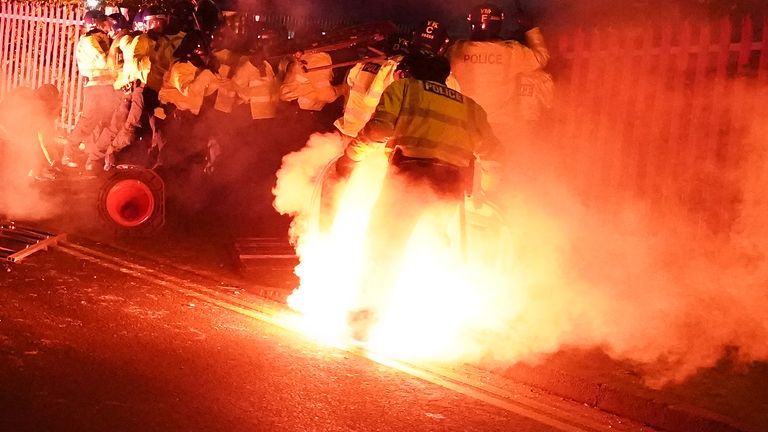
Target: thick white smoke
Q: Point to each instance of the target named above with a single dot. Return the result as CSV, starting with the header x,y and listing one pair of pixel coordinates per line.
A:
x,y
22,116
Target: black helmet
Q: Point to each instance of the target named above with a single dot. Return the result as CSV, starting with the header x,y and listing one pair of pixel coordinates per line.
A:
x,y
425,67
429,38
138,19
156,19
183,15
208,15
118,22
93,17
485,21
193,48
397,44
155,12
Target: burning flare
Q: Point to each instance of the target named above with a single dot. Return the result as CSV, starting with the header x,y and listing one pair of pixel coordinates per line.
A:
x,y
438,304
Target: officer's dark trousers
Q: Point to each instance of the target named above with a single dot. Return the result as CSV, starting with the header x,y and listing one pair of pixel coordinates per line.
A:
x,y
104,144
144,100
98,105
411,187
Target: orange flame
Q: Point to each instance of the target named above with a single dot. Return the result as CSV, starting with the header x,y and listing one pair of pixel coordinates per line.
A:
x,y
438,304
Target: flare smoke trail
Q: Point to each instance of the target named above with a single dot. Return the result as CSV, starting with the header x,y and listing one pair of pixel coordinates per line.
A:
x,y
673,288
22,114
647,289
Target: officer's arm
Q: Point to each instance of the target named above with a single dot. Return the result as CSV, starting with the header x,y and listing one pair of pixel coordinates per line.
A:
x,y
381,126
535,41
489,151
182,76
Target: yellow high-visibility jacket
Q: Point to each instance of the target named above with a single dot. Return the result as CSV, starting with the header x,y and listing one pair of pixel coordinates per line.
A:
x,y
186,86
91,54
425,119
312,90
365,83
158,58
261,90
226,97
134,49
488,71
535,94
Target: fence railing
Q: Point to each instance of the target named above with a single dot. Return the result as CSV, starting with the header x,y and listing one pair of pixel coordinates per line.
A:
x,y
662,115
37,44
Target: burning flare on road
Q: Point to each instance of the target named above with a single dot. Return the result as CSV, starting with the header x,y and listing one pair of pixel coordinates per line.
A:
x,y
438,306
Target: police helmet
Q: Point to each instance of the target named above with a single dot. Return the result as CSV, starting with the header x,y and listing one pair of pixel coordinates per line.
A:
x,y
138,20
93,17
425,67
119,22
485,21
155,18
397,44
183,15
155,12
429,38
193,48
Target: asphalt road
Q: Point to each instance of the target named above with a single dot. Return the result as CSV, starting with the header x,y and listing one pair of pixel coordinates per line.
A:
x,y
89,348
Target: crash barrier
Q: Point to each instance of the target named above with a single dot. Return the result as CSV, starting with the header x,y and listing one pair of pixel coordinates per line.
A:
x,y
665,116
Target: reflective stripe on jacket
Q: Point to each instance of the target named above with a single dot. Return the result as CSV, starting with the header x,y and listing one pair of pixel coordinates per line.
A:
x,y
226,97
187,85
259,88
134,48
366,82
312,90
91,55
424,119
159,58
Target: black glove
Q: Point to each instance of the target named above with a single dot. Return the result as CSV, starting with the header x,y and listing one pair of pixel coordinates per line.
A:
x,y
345,165
522,18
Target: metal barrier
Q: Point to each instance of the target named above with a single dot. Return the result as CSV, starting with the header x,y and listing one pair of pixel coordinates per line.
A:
x,y
38,44
661,115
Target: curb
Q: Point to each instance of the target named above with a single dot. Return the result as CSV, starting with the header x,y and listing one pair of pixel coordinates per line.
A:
x,y
641,405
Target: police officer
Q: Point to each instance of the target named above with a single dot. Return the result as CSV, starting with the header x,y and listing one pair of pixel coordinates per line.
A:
x,y
152,65
99,99
255,81
190,78
489,68
188,82
366,81
120,59
432,135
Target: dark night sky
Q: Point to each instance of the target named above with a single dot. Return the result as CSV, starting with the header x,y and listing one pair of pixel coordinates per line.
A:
x,y
572,13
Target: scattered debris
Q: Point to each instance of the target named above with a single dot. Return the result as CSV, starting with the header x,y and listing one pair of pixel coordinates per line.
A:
x,y
255,248
18,242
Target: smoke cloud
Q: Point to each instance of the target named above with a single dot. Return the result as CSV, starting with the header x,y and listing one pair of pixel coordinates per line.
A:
x,y
25,119
656,286
619,231
670,280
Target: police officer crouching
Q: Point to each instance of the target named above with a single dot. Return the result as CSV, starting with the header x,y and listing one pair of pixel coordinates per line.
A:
x,y
433,135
